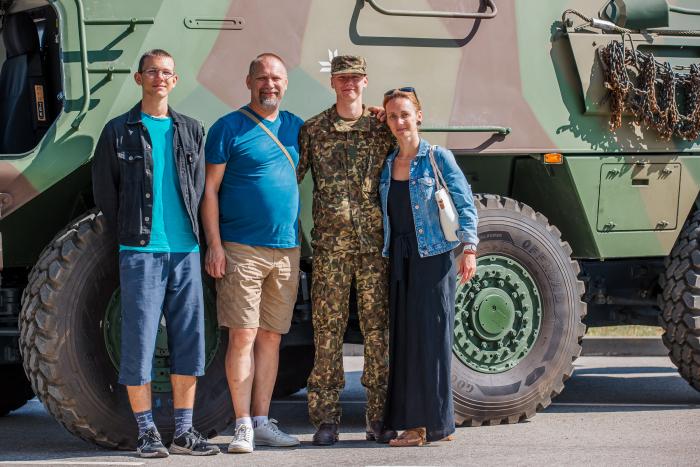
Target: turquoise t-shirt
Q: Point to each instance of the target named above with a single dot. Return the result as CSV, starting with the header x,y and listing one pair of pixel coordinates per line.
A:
x,y
258,196
171,229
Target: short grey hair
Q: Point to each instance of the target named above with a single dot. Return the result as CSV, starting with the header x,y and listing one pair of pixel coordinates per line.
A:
x,y
258,60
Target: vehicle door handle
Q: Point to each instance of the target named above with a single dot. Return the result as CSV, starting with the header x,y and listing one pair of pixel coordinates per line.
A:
x,y
437,14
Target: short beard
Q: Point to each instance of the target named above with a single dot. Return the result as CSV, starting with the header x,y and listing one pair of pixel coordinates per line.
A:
x,y
269,103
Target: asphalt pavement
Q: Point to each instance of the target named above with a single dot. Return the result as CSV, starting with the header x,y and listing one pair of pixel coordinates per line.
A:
x,y
614,411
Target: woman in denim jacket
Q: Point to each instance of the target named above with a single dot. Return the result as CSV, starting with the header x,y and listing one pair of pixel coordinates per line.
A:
x,y
422,274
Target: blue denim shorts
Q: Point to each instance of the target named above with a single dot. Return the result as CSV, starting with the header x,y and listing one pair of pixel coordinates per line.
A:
x,y
151,284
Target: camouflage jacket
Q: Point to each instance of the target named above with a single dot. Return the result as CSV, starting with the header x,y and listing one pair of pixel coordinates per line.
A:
x,y
346,160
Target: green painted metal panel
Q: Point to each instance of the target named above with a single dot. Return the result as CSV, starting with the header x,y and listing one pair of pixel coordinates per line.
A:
x,y
638,197
642,211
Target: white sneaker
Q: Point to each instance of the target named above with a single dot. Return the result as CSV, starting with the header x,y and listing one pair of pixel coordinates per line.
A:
x,y
269,434
242,441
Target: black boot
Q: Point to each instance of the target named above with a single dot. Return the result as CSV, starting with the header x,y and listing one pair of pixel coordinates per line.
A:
x,y
326,435
377,432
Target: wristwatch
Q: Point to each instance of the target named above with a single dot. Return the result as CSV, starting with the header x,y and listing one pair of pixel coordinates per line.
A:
x,y
469,249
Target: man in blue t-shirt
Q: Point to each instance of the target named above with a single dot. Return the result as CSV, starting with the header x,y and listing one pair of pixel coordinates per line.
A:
x,y
250,215
148,190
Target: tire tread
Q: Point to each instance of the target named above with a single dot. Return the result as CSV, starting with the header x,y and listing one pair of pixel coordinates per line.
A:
x,y
497,202
680,302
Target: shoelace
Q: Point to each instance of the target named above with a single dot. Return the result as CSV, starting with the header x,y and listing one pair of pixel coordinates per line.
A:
x,y
243,433
273,426
151,436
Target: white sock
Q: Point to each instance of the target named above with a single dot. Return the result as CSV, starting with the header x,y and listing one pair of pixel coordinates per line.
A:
x,y
244,421
259,420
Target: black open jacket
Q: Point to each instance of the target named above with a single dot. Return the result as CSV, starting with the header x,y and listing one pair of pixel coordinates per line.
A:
x,y
122,173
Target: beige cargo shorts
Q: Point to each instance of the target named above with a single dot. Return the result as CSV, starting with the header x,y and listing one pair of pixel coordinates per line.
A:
x,y
259,289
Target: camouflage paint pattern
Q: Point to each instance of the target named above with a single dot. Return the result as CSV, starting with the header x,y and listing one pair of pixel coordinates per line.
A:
x,y
345,161
333,273
517,70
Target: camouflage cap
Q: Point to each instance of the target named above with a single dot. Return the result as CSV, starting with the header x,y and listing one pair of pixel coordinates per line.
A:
x,y
345,64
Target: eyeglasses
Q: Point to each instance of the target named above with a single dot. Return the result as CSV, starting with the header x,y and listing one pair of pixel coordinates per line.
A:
x,y
153,72
406,89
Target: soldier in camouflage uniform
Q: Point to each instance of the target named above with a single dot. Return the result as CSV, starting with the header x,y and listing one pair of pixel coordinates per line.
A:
x,y
345,147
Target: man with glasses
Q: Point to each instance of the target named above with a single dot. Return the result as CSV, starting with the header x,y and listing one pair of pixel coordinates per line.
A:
x,y
345,147
148,179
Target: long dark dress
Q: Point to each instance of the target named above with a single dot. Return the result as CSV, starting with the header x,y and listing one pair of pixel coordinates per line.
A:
x,y
421,304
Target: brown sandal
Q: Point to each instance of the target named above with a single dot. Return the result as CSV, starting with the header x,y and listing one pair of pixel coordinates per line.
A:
x,y
410,437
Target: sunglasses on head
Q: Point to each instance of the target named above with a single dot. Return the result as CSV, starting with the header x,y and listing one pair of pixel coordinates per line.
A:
x,y
406,89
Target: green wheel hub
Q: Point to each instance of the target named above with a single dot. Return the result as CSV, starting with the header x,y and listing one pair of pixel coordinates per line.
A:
x,y
112,326
498,316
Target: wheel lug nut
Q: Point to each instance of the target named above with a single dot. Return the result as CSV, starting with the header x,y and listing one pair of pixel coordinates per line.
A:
x,y
484,283
470,333
514,295
518,313
501,283
484,345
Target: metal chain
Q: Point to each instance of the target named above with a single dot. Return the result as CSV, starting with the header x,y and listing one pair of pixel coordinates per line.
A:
x,y
653,97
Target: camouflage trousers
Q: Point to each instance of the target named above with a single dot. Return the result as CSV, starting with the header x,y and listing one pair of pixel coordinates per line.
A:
x,y
330,290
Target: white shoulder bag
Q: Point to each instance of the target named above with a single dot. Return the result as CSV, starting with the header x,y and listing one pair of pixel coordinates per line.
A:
x,y
449,220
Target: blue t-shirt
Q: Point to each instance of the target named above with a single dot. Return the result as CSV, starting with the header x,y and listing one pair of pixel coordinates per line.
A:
x,y
258,196
171,228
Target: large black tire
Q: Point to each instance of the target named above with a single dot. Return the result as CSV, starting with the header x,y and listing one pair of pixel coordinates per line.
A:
x,y
680,302
64,350
295,367
514,230
15,390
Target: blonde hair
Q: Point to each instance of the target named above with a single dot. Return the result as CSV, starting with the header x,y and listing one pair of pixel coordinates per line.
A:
x,y
396,94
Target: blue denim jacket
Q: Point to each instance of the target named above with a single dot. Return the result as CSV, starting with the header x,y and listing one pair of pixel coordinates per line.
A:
x,y
431,240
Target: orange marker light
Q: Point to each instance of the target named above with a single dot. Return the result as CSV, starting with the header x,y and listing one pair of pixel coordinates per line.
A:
x,y
553,158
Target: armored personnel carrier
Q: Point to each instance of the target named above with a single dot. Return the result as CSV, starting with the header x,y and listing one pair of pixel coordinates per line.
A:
x,y
575,121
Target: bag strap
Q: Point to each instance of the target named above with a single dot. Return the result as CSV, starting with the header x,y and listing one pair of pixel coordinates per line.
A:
x,y
270,134
438,175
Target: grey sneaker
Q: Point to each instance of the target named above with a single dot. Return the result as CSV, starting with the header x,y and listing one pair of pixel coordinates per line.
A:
x,y
242,441
193,443
269,434
149,444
